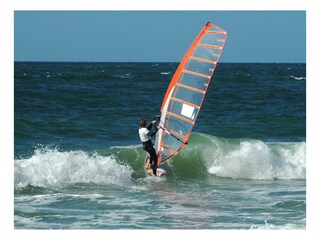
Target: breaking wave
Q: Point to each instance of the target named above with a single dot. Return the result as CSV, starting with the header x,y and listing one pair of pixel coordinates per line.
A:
x,y
204,156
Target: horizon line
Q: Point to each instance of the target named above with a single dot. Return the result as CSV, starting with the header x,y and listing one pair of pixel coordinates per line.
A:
x,y
50,61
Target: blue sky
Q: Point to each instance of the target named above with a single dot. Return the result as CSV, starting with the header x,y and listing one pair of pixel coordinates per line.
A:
x,y
156,36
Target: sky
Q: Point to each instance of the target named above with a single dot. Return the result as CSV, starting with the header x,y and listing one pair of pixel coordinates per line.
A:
x,y
156,36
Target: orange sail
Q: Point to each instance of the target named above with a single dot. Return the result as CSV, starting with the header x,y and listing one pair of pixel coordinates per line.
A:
x,y
184,97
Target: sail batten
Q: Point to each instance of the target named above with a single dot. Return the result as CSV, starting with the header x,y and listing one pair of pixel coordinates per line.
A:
x,y
169,149
191,88
202,60
215,32
196,73
209,46
181,101
187,89
180,117
177,134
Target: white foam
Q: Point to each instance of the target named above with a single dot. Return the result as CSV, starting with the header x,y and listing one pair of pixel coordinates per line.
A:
x,y
258,160
126,147
51,168
165,73
300,224
298,78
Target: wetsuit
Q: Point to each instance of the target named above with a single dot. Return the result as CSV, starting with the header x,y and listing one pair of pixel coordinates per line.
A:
x,y
145,136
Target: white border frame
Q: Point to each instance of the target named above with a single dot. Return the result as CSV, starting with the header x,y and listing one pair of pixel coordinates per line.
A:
x,y
7,8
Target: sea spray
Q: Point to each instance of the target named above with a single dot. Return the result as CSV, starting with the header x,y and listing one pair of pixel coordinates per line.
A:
x,y
239,159
51,168
253,159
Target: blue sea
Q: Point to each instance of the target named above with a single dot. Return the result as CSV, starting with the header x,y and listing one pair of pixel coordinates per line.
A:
x,y
78,162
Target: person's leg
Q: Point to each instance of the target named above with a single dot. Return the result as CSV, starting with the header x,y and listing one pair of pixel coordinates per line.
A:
x,y
153,160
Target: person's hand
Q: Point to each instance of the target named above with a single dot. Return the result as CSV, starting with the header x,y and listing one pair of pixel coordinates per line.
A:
x,y
154,121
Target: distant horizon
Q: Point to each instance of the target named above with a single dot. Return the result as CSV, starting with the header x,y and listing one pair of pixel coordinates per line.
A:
x,y
153,62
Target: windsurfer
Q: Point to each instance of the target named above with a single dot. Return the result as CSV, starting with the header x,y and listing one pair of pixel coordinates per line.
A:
x,y
145,135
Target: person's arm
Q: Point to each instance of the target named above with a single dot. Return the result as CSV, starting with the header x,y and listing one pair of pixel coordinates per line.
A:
x,y
151,125
152,133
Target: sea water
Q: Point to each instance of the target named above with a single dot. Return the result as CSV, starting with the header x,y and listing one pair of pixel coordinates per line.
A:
x,y
79,163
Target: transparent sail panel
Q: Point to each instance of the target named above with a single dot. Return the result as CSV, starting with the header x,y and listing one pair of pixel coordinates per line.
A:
x,y
189,96
216,29
179,126
194,81
213,39
200,67
170,145
212,54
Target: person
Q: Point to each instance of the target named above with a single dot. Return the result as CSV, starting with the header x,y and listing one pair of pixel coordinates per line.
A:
x,y
145,135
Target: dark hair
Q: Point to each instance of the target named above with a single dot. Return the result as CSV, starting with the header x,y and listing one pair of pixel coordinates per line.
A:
x,y
143,123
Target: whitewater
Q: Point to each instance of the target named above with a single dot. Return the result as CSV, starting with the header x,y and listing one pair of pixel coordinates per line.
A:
x,y
235,159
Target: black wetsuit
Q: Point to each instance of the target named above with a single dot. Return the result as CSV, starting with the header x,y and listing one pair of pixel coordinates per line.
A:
x,y
148,146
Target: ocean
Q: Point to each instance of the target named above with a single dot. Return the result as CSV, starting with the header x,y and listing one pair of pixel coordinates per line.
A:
x,y
78,162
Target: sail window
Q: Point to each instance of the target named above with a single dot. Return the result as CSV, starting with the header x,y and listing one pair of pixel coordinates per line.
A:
x,y
188,111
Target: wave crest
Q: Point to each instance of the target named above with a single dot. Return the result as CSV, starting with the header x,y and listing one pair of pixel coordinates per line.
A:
x,y
205,155
262,161
51,168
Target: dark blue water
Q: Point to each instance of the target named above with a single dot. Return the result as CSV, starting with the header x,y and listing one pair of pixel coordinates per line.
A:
x,y
79,163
